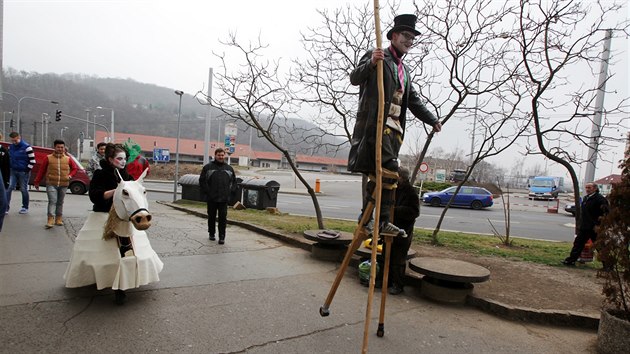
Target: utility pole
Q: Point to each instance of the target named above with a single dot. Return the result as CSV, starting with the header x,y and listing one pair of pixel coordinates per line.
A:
x,y
596,131
206,143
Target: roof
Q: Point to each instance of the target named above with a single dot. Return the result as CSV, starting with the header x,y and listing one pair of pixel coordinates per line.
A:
x,y
609,179
196,147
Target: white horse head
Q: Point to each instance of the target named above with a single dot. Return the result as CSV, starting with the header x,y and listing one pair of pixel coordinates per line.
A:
x,y
130,204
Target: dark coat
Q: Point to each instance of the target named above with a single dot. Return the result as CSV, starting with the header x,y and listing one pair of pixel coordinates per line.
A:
x,y
217,181
593,208
104,180
5,166
362,156
407,207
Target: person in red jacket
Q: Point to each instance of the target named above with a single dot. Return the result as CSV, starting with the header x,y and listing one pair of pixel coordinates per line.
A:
x,y
58,168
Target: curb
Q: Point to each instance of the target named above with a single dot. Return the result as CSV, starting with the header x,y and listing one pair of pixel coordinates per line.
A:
x,y
524,314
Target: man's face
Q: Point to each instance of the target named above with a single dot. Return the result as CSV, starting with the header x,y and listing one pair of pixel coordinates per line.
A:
x,y
219,156
16,140
101,150
403,41
589,188
60,149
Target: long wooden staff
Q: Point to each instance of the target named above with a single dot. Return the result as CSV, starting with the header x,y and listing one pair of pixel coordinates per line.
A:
x,y
379,175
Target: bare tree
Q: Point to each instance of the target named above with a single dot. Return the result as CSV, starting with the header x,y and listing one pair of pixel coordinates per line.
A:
x,y
257,94
557,40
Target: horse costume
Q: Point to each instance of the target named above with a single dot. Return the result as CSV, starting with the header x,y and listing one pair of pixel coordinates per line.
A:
x,y
96,257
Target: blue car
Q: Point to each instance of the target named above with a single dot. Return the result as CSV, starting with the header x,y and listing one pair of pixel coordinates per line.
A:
x,y
471,197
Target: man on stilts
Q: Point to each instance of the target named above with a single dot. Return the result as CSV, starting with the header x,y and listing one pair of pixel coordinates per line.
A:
x,y
400,96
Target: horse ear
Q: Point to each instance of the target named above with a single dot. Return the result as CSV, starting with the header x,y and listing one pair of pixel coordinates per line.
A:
x,y
118,176
144,174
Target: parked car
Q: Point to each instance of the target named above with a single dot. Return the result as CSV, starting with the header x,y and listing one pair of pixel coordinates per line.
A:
x,y
468,196
570,208
79,184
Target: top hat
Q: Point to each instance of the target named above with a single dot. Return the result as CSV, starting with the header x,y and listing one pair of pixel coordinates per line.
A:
x,y
403,23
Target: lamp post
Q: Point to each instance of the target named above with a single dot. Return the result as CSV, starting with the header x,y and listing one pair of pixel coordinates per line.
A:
x,y
111,133
19,109
179,118
62,130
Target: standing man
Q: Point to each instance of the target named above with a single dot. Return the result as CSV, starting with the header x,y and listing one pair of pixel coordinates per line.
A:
x,y
594,206
95,162
22,159
217,181
400,96
58,169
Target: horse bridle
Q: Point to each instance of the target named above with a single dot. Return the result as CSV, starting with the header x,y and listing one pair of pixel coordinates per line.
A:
x,y
137,211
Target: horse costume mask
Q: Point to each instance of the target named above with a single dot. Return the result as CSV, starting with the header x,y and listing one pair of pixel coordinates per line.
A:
x,y
129,209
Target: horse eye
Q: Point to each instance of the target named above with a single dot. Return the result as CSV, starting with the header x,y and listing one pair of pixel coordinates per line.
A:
x,y
125,193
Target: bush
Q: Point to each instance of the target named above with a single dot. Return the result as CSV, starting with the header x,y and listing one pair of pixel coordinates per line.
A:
x,y
613,239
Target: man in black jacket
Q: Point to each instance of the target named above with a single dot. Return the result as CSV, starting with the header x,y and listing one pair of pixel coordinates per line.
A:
x,y
406,210
217,181
594,206
400,96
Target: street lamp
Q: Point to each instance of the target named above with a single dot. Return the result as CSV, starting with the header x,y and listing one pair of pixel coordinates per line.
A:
x,y
179,118
19,110
111,133
62,130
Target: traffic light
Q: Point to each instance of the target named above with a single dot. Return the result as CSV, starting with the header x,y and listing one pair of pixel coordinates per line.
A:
x,y
11,123
58,115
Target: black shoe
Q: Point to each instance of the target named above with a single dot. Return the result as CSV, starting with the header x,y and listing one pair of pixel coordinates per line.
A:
x,y
119,297
395,290
569,263
221,241
212,238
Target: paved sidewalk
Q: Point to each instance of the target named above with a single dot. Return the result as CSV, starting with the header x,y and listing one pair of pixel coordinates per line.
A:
x,y
254,294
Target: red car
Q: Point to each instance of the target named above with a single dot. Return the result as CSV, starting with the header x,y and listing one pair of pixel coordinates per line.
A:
x,y
79,184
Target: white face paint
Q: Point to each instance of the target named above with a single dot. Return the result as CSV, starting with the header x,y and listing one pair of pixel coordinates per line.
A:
x,y
120,160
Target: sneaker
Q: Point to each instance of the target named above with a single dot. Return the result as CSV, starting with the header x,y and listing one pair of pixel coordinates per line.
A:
x,y
212,238
568,263
6,212
369,227
23,211
391,229
221,241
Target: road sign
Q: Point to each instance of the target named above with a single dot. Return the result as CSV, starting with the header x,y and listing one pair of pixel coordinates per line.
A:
x,y
161,155
440,175
231,129
424,167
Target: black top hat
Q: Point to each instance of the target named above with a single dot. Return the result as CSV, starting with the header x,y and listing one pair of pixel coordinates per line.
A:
x,y
403,23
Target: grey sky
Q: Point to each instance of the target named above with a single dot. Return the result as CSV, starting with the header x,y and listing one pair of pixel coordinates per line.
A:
x,y
170,43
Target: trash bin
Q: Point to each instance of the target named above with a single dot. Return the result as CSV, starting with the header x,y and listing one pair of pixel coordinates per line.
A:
x,y
190,188
237,195
260,193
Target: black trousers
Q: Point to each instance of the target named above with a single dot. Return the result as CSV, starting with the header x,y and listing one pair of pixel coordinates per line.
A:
x,y
398,258
578,244
213,209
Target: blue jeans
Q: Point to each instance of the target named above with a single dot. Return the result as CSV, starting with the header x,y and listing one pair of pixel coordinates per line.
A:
x,y
20,177
56,196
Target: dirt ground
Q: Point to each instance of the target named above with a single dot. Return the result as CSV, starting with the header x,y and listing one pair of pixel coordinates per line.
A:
x,y
514,283
529,285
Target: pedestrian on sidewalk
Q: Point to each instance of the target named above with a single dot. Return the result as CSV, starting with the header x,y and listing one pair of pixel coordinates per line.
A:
x,y
22,159
594,206
58,168
218,181
95,161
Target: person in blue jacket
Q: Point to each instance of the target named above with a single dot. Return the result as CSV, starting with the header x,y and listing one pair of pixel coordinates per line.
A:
x,y
22,159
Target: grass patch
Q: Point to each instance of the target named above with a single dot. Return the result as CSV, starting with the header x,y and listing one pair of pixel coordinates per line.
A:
x,y
535,251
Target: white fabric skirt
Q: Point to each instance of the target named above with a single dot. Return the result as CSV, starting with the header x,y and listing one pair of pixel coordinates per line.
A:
x,y
98,261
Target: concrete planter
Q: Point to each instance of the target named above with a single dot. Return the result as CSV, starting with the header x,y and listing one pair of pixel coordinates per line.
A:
x,y
612,335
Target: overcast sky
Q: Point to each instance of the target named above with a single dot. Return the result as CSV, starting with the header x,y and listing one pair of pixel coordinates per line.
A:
x,y
170,43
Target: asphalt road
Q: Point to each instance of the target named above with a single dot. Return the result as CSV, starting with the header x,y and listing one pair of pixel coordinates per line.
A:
x,y
341,198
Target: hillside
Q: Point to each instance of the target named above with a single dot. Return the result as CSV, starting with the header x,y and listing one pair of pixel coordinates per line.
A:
x,y
139,108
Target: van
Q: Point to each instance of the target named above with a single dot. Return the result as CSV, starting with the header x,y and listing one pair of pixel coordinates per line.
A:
x,y
79,184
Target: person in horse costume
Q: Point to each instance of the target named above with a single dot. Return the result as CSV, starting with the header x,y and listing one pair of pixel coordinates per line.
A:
x,y
112,249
